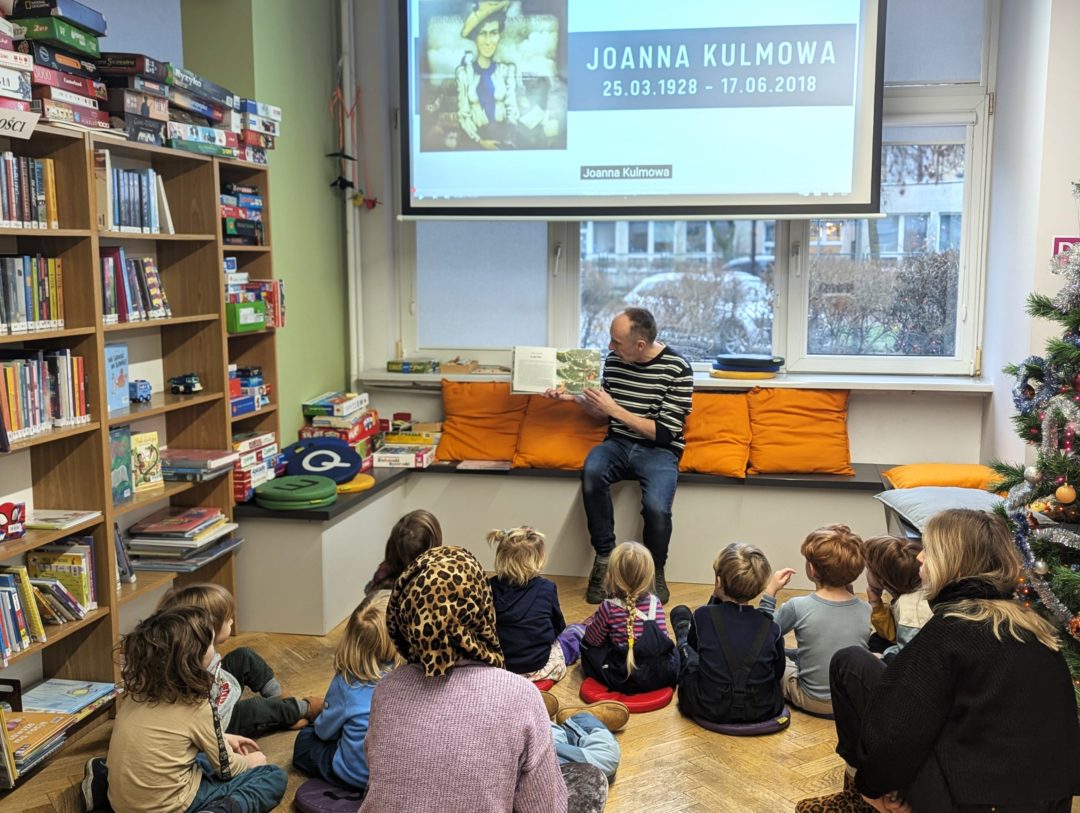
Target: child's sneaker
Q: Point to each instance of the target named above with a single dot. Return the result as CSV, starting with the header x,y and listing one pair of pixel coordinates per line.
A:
x,y
551,703
681,620
613,714
95,785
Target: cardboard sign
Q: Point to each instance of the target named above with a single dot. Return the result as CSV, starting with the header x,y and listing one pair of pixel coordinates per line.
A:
x,y
17,123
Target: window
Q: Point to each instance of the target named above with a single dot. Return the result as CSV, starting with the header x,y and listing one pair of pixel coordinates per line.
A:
x,y
884,294
713,296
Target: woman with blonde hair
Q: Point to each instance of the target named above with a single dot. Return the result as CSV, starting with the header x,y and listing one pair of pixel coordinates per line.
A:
x,y
978,712
626,645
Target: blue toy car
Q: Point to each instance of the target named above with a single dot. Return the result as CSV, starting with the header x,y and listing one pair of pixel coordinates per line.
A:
x,y
139,390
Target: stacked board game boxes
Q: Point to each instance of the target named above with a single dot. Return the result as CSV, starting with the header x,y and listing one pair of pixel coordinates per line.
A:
x,y
252,304
137,97
258,463
248,391
59,39
344,415
242,215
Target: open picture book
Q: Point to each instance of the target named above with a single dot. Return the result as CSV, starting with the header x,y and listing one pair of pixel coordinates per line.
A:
x,y
536,369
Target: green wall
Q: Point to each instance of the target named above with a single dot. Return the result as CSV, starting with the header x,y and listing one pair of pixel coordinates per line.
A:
x,y
286,53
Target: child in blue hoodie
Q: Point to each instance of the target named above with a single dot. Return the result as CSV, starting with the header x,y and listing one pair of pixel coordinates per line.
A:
x,y
535,639
333,748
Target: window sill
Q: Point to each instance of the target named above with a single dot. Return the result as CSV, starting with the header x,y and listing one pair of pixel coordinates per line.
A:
x,y
704,382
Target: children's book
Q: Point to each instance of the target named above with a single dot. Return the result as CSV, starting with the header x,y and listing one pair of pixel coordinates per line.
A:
x,y
59,696
145,461
58,519
116,376
28,731
178,521
120,466
28,601
205,459
537,369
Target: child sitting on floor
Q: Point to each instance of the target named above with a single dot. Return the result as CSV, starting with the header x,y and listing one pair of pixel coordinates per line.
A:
x,y
825,621
892,566
626,645
240,668
535,640
732,653
411,535
168,751
333,748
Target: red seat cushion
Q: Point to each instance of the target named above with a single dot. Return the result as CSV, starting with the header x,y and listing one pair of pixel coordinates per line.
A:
x,y
544,685
593,690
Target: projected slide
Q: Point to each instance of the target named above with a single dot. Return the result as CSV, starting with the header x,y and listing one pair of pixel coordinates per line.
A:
x,y
604,101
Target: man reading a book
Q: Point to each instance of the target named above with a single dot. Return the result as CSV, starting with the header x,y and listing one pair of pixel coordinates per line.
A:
x,y
646,396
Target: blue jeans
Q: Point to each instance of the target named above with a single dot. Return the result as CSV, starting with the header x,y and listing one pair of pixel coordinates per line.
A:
x,y
256,790
583,738
315,757
622,459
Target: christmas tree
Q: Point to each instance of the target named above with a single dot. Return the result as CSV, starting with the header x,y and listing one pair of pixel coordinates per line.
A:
x,y
1041,501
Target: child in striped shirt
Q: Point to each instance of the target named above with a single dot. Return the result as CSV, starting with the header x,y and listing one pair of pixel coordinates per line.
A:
x,y
626,645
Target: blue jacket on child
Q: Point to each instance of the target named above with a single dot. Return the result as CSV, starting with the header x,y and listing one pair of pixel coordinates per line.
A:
x,y
528,620
345,719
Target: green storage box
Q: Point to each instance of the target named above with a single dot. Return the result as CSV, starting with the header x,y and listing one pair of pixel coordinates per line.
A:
x,y
244,317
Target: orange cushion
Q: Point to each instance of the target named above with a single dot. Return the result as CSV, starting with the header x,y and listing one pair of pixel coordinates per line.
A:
x,y
799,432
482,420
961,475
717,435
556,435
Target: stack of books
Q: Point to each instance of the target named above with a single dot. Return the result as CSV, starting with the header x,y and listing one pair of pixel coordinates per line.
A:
x,y
196,465
80,698
72,563
29,738
242,215
344,415
138,97
61,36
258,463
251,304
180,538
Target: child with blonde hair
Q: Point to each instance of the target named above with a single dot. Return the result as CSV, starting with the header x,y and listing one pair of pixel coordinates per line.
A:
x,y
825,621
626,645
535,640
333,748
732,653
168,752
242,668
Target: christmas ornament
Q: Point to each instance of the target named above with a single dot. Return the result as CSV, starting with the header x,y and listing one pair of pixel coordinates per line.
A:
x,y
1040,567
1032,475
1065,494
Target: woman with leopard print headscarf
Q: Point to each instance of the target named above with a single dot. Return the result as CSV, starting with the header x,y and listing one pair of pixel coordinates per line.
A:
x,y
452,729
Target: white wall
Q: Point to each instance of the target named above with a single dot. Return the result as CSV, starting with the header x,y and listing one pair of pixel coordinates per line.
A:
x,y
1012,251
150,27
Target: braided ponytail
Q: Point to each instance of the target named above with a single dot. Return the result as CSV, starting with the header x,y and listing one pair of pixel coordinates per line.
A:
x,y
630,576
631,614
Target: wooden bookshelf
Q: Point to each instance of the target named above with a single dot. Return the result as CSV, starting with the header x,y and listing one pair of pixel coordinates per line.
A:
x,y
70,468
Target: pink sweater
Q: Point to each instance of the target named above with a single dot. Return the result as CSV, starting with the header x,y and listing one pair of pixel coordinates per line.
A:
x,y
477,740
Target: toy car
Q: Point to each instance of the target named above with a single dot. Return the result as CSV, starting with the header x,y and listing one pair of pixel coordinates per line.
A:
x,y
139,390
185,384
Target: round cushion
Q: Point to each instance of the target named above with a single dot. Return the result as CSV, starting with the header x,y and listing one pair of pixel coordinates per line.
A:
x,y
592,691
361,482
327,457
317,796
544,685
770,726
296,492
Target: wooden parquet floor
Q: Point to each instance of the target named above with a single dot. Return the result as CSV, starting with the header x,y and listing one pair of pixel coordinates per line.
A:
x,y
669,765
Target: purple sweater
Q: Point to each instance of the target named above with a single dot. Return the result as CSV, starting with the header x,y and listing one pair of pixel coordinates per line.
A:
x,y
478,740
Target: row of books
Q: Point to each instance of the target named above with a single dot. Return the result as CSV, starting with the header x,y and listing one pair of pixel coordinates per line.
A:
x,y
132,201
34,724
31,293
41,390
28,192
131,288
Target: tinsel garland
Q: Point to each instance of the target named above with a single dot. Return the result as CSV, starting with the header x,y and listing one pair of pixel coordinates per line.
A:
x,y
1038,583
1058,536
1057,408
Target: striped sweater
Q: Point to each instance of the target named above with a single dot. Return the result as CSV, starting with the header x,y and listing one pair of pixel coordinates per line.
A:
x,y
659,389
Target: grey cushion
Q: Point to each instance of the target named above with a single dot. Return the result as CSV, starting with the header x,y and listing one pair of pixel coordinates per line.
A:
x,y
917,505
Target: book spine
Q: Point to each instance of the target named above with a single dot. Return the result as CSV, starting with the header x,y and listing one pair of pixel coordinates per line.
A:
x,y
52,214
